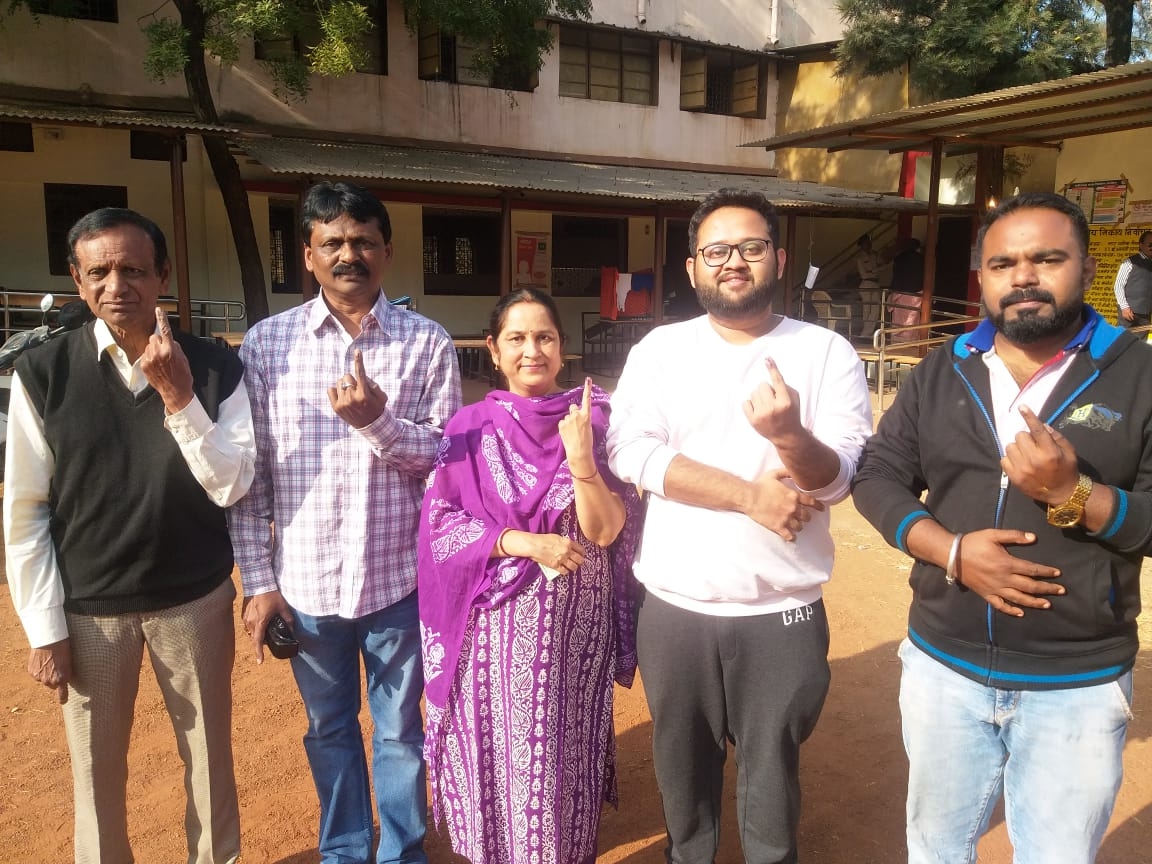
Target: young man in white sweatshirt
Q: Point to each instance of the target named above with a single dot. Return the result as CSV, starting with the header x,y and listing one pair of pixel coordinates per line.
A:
x,y
742,426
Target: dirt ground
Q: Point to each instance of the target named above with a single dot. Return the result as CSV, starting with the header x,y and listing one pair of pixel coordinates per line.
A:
x,y
853,767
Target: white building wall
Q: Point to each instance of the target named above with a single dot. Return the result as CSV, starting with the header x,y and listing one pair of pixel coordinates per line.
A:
x,y
752,25
87,57
398,105
808,22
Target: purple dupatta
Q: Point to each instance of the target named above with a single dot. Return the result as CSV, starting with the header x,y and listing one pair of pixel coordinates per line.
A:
x,y
502,465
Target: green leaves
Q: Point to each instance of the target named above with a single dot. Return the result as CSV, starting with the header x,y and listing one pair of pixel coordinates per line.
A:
x,y
299,38
340,51
960,47
167,51
509,45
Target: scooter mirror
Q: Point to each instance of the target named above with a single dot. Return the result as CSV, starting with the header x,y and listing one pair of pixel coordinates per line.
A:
x,y
46,303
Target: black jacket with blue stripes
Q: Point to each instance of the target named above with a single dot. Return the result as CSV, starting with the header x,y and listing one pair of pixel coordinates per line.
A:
x,y
939,436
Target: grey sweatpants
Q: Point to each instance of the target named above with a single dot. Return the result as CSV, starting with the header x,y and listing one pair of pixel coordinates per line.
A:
x,y
757,681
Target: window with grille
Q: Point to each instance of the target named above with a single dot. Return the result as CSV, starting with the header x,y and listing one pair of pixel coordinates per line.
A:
x,y
431,256
64,204
284,248
722,82
444,57
606,65
294,46
461,252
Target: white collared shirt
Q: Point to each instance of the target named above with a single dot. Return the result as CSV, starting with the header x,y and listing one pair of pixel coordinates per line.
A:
x,y
220,455
1008,396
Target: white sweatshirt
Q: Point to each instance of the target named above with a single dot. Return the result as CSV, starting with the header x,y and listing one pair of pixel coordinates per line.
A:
x,y
682,392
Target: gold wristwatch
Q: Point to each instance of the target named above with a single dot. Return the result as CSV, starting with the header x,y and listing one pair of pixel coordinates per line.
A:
x,y
1070,513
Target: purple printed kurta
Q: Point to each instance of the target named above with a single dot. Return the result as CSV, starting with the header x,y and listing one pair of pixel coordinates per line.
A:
x,y
519,668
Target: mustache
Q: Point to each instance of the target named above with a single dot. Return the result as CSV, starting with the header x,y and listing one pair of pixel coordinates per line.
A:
x,y
353,268
1022,296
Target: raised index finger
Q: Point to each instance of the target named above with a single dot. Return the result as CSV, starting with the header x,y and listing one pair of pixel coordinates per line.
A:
x,y
586,401
774,376
1036,427
162,323
358,366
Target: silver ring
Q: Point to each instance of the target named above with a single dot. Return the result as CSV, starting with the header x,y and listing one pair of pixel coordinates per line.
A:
x,y
345,385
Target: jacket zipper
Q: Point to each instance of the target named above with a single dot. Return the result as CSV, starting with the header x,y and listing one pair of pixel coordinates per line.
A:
x,y
1002,496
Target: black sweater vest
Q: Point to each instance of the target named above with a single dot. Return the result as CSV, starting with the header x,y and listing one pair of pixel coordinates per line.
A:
x,y
133,530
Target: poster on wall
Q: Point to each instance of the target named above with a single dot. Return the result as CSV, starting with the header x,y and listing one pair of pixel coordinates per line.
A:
x,y
533,260
1140,211
1101,200
1110,245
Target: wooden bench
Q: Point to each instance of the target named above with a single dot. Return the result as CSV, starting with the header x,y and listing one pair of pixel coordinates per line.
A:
x,y
473,357
871,358
230,338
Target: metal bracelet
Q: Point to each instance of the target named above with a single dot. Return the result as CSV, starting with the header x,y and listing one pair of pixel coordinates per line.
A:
x,y
953,559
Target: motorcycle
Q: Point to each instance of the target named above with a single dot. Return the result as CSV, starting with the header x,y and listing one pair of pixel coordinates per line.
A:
x,y
71,315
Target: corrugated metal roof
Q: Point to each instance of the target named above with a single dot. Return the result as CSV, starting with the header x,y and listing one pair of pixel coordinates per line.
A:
x,y
1095,103
83,115
411,164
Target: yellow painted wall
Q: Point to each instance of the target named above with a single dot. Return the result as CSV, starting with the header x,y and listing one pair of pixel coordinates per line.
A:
x,y
811,96
66,154
1119,155
1107,157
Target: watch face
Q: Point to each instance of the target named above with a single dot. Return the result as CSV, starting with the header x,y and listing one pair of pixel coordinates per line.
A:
x,y
1065,517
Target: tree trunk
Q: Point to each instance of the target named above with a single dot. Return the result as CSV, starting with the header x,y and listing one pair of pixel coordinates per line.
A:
x,y
1118,31
224,167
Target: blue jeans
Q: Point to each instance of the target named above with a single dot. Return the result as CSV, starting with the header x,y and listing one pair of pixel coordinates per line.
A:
x,y
327,671
1056,755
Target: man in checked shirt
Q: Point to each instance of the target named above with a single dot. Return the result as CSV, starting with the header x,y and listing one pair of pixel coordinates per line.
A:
x,y
350,396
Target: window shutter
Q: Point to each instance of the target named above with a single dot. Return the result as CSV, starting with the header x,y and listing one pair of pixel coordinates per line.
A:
x,y
693,81
573,71
465,55
429,53
746,90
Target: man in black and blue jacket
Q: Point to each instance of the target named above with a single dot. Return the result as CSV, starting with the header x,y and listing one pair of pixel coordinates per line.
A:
x,y
1033,438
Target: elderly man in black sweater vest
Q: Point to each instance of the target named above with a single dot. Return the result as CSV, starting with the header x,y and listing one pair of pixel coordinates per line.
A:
x,y
125,443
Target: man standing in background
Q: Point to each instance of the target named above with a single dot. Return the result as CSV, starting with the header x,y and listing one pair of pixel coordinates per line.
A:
x,y
1133,286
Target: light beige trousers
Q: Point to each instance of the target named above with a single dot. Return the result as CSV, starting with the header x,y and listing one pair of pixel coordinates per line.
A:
x,y
192,647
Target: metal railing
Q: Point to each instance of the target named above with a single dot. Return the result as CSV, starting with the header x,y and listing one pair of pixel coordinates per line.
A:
x,y
576,281
20,310
942,326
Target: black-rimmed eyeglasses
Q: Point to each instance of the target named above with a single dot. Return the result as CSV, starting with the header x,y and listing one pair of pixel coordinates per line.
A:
x,y
717,254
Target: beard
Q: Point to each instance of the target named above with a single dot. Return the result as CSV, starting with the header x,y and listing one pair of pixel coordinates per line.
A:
x,y
1029,327
711,295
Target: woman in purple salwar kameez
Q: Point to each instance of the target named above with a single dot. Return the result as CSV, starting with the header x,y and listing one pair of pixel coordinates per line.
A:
x,y
526,545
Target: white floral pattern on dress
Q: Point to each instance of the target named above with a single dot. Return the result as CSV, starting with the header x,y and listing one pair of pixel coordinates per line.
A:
x,y
452,537
433,652
502,459
509,407
527,754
